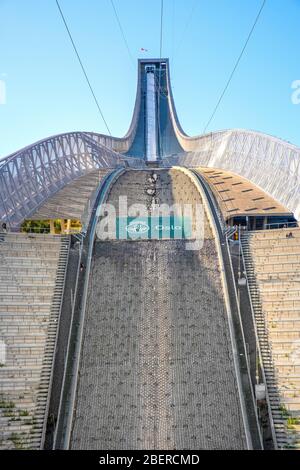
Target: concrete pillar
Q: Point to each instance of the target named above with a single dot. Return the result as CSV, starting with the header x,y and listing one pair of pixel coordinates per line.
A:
x,y
52,227
265,222
68,226
62,225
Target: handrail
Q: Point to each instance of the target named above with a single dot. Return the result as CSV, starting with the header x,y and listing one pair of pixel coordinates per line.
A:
x,y
293,224
2,240
69,341
40,231
55,346
88,209
230,231
239,241
212,198
66,420
244,342
259,350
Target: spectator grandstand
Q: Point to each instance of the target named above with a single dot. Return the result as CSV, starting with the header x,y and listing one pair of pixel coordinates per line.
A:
x,y
32,274
273,266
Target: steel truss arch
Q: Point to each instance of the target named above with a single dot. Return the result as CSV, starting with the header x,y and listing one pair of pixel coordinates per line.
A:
x,y
31,176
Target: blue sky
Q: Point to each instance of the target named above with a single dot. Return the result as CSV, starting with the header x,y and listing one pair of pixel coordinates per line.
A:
x,y
46,92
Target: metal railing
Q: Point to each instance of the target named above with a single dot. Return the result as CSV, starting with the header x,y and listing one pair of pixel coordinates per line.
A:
x,y
59,413
258,349
243,337
67,398
218,227
212,199
274,225
62,288
41,231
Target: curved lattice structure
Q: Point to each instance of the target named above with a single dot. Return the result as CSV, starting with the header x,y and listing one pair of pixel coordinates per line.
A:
x,y
270,163
31,176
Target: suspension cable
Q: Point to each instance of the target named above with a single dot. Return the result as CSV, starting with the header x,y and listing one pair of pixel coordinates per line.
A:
x,y
82,66
122,32
235,67
161,27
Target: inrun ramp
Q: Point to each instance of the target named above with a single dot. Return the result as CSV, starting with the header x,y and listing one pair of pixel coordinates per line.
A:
x,y
157,369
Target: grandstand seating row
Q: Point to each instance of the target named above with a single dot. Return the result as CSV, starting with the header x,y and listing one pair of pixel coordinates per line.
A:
x,y
273,267
32,272
71,202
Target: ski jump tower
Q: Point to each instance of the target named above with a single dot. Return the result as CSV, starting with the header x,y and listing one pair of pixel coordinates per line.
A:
x,y
31,176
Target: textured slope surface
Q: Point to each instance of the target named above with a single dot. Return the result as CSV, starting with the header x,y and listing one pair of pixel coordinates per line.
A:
x,y
156,366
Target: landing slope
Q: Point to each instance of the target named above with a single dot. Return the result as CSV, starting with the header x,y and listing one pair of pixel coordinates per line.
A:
x,y
157,366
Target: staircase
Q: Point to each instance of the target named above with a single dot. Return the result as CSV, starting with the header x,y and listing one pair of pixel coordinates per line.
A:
x,y
32,274
273,269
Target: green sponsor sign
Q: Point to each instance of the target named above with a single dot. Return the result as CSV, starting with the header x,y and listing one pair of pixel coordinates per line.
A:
x,y
149,228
